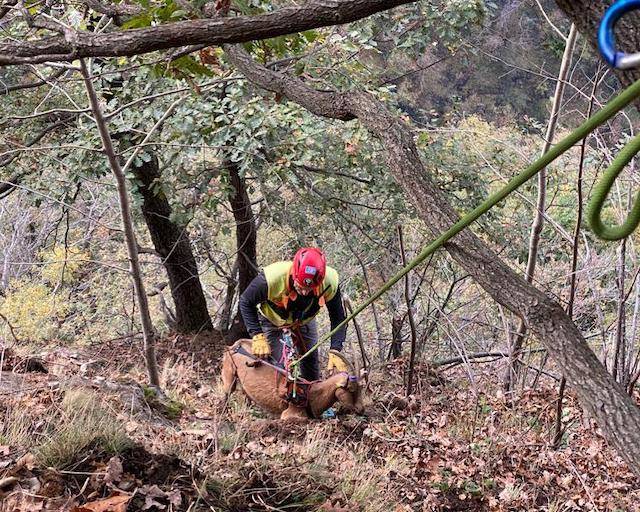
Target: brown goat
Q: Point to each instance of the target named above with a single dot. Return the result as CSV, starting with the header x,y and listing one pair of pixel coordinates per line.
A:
x,y
267,387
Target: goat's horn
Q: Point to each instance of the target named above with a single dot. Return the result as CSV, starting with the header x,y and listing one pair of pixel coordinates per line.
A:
x,y
347,363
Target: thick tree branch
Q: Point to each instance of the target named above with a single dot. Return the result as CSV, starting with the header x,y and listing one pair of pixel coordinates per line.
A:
x,y
217,31
616,413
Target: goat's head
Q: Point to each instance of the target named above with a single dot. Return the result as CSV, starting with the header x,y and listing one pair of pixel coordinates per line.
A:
x,y
349,392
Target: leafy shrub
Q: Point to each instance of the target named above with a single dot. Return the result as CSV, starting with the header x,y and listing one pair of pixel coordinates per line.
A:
x,y
62,264
33,310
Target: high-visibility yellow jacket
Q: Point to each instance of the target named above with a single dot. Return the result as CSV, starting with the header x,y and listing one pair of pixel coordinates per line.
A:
x,y
277,308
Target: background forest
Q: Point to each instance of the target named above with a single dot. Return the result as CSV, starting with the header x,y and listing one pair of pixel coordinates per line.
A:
x,y
224,177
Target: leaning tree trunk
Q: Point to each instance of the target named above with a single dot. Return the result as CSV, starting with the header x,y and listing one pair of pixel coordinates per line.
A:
x,y
616,413
246,240
171,242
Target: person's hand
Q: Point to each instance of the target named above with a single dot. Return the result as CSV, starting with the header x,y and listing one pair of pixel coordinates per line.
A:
x,y
260,346
337,362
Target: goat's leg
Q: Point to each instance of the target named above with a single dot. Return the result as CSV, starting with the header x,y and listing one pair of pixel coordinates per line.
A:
x,y
229,374
294,413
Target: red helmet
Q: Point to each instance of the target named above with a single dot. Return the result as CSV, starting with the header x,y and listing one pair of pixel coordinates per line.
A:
x,y
309,267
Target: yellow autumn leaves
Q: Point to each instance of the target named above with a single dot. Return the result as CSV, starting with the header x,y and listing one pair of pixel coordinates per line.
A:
x,y
31,304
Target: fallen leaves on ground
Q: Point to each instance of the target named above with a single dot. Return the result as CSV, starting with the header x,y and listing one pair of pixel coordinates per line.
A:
x,y
116,503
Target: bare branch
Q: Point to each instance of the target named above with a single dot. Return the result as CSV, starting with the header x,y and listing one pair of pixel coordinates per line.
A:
x,y
49,113
13,332
551,24
326,172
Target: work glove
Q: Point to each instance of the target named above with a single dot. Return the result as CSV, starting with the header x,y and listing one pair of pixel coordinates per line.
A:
x,y
260,346
337,362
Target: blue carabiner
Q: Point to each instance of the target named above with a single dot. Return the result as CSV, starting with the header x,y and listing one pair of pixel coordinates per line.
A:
x,y
607,40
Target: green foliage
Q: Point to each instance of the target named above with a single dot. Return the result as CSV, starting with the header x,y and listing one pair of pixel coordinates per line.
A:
x,y
183,68
465,157
165,12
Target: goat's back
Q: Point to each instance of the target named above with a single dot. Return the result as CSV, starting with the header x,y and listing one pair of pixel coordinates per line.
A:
x,y
261,383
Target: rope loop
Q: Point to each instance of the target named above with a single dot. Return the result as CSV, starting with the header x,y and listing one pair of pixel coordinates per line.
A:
x,y
601,192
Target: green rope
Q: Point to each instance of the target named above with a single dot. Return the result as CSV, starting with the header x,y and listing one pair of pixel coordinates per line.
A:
x,y
604,114
601,191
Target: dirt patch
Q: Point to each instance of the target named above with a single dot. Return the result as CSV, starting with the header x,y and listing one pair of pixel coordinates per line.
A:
x,y
275,427
461,501
155,469
15,363
206,348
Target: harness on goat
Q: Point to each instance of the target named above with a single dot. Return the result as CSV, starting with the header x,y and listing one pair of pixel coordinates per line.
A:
x,y
297,388
296,394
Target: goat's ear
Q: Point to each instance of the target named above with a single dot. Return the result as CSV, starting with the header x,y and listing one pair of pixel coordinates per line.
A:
x,y
342,382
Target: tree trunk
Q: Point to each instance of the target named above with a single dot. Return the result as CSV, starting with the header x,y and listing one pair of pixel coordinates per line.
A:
x,y
246,239
615,412
148,332
225,321
412,323
246,236
619,371
395,350
172,243
512,372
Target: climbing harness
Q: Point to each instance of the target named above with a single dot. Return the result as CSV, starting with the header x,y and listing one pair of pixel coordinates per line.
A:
x,y
296,393
607,40
297,388
601,190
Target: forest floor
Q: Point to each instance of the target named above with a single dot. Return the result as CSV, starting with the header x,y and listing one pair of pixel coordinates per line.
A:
x,y
87,437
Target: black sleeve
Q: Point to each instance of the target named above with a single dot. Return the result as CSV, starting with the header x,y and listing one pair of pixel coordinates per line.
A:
x,y
336,315
256,293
